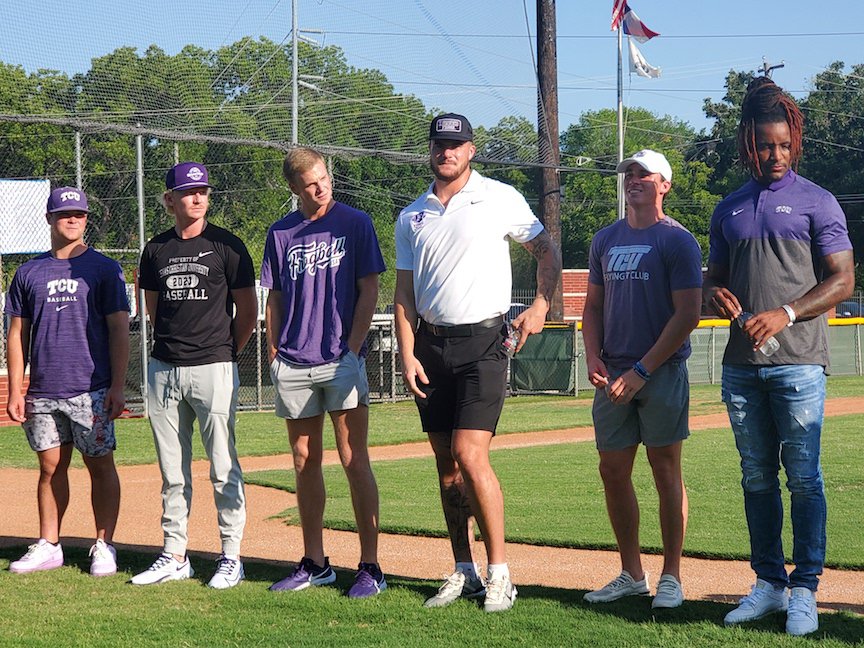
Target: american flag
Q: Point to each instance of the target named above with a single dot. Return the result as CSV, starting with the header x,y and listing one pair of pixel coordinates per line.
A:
x,y
618,9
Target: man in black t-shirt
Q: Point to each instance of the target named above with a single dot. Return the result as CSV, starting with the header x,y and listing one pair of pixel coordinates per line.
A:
x,y
199,288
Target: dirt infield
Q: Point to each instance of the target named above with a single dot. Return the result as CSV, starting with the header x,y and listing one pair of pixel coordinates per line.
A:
x,y
427,558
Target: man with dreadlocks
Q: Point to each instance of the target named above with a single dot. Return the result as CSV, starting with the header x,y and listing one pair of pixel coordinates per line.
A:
x,y
779,250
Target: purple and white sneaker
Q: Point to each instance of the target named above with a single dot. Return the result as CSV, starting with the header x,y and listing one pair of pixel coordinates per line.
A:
x,y
306,574
368,582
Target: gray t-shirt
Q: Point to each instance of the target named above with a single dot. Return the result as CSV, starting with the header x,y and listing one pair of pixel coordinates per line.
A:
x,y
639,269
772,239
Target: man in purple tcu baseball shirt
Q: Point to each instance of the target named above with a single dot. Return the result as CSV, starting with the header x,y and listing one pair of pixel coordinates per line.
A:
x,y
69,311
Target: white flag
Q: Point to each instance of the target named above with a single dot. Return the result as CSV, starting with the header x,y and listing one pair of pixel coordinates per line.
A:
x,y
639,65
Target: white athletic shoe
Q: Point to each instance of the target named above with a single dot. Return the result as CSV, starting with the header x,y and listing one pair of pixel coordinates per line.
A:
x,y
802,617
670,594
103,559
762,600
622,586
456,585
500,594
229,572
165,568
40,556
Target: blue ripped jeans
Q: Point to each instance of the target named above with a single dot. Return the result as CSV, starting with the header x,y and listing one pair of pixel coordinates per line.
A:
x,y
776,414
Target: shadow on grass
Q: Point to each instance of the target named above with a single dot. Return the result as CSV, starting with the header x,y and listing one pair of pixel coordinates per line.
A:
x,y
842,626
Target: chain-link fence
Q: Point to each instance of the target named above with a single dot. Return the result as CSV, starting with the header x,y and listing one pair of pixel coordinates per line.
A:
x,y
557,365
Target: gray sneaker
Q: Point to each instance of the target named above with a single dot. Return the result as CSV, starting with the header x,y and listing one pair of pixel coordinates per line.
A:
x,y
500,595
622,586
762,600
456,585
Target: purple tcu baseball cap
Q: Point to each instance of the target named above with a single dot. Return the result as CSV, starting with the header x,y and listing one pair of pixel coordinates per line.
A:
x,y
187,175
67,199
451,126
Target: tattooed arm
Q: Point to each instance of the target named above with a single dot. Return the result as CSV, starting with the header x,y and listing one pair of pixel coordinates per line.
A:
x,y
548,274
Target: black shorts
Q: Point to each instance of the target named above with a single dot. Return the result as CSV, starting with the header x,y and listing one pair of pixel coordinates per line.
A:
x,y
467,380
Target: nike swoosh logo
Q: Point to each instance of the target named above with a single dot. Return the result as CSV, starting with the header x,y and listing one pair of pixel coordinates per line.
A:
x,y
735,212
205,253
59,308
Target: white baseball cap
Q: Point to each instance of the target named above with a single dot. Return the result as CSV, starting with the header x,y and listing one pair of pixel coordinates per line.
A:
x,y
651,161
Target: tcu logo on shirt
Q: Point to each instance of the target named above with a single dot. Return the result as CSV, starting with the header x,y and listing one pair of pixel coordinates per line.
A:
x,y
62,285
782,209
626,257
70,195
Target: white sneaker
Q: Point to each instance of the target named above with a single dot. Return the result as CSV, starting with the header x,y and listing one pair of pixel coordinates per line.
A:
x,y
622,586
164,568
670,594
229,572
802,617
762,600
103,559
40,556
455,585
500,595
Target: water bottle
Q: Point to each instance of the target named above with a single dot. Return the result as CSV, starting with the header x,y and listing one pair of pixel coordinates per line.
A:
x,y
511,341
770,346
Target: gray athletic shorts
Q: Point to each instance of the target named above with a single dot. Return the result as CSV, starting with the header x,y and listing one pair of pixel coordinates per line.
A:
x,y
657,415
82,420
302,392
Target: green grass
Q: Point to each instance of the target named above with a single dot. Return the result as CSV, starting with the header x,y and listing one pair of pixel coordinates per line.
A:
x,y
67,607
554,496
262,433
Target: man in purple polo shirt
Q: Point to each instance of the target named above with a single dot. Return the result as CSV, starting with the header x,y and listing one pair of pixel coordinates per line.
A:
x,y
321,264
779,249
644,298
69,313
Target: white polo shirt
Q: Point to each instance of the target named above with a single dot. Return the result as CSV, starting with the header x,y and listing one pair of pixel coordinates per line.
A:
x,y
460,256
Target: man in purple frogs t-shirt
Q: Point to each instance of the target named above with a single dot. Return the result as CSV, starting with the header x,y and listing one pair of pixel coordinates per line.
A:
x,y
321,264
644,298
69,311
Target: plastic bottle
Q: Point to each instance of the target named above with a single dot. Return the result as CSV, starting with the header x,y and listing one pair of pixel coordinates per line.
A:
x,y
511,341
770,346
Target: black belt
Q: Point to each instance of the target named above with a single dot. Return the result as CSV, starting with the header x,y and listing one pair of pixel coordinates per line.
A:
x,y
462,330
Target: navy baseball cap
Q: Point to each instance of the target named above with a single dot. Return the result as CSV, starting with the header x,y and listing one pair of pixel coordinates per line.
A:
x,y
67,199
187,175
451,126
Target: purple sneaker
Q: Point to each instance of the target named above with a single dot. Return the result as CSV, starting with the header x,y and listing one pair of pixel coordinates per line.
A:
x,y
306,574
39,557
368,582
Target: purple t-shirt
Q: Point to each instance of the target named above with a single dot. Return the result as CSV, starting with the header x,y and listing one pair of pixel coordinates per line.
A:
x,y
639,269
772,239
315,264
66,301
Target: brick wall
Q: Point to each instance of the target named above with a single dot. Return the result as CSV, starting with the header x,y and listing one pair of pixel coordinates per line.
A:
x,y
4,399
575,287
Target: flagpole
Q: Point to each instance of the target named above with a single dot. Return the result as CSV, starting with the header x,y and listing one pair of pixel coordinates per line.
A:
x,y
620,125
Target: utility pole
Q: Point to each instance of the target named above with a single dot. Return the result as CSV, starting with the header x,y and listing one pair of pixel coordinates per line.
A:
x,y
547,135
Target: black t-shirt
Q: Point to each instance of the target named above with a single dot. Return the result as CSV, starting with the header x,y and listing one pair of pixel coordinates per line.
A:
x,y
194,278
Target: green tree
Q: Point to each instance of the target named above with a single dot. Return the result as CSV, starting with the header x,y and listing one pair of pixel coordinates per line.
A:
x,y
590,194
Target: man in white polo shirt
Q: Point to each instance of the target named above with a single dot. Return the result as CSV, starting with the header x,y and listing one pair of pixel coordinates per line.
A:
x,y
453,283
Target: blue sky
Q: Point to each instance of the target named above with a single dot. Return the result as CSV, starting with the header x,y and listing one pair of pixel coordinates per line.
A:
x,y
472,56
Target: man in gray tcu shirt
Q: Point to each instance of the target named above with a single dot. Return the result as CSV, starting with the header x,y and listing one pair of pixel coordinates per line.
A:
x,y
779,249
645,275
